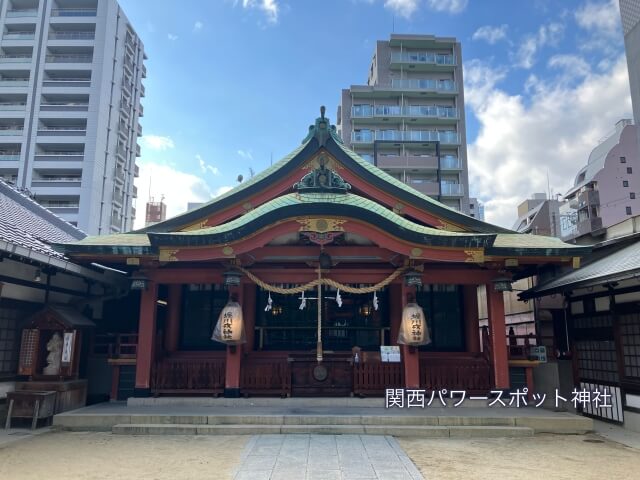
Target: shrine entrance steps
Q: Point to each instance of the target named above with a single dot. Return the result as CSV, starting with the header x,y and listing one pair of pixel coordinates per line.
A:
x,y
208,416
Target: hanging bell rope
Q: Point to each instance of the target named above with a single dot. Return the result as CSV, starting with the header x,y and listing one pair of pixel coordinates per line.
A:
x,y
323,281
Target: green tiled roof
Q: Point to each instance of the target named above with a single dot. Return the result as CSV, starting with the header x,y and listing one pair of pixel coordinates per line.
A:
x,y
129,239
353,200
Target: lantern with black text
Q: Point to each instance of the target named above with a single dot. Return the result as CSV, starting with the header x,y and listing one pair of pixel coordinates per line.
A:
x,y
413,328
230,326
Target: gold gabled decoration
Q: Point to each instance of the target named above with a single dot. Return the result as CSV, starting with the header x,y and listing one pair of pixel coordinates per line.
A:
x,y
449,227
475,255
168,255
321,225
329,162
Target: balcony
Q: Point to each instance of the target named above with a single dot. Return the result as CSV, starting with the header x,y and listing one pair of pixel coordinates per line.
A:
x,y
118,198
449,162
73,12
588,198
14,82
15,58
9,156
415,112
25,12
120,150
428,187
142,90
16,106
56,182
66,82
452,190
8,130
69,58
19,36
59,131
134,192
144,71
139,130
141,111
64,106
422,60
136,171
72,35
119,174
424,84
137,150
59,156
402,162
368,136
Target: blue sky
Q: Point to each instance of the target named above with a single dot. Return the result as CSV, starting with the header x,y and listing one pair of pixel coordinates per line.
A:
x,y
234,83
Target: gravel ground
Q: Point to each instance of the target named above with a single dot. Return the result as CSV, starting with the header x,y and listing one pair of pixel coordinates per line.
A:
x,y
557,457
98,455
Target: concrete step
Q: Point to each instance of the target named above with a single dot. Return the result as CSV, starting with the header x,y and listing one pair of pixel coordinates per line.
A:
x,y
396,430
565,424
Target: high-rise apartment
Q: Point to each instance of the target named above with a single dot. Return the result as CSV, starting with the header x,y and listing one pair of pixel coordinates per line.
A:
x,y
409,118
70,86
630,16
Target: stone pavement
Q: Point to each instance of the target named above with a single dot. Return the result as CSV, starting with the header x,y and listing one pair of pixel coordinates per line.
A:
x,y
325,457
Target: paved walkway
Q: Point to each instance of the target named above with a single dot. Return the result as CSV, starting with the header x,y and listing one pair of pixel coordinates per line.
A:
x,y
325,457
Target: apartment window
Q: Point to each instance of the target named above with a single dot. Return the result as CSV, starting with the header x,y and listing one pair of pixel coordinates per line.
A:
x,y
628,210
623,159
625,183
632,195
629,170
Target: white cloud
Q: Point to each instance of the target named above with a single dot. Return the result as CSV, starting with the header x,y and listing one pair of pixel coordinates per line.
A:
x,y
549,34
553,131
156,142
573,66
246,154
205,167
602,16
270,8
404,8
491,34
449,6
172,37
600,21
177,188
198,26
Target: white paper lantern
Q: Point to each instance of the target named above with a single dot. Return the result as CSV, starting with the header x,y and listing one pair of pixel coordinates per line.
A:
x,y
413,328
230,326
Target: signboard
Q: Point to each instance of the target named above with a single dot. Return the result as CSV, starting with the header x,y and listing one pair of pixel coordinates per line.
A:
x,y
67,347
539,353
390,354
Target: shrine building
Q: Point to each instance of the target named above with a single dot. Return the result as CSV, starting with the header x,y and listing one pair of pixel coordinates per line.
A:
x,y
326,258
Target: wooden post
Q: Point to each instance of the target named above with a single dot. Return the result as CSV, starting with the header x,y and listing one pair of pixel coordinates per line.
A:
x,y
146,340
498,338
471,323
249,314
395,311
172,330
234,356
410,355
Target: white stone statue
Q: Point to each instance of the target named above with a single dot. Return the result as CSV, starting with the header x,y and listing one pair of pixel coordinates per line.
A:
x,y
54,347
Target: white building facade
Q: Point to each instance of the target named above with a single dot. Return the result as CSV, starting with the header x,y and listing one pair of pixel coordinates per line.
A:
x,y
70,87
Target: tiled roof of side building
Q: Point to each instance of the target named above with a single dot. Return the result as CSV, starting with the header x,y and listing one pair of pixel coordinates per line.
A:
x,y
25,223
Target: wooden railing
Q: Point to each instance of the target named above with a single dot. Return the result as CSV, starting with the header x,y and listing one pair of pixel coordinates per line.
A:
x,y
116,345
372,379
188,375
468,372
270,376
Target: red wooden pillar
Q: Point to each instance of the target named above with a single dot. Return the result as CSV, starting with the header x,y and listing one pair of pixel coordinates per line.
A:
x,y
172,330
471,323
410,355
234,355
395,311
249,314
498,338
146,340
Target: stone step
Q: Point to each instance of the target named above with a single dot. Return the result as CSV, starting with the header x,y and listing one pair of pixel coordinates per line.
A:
x,y
395,430
566,424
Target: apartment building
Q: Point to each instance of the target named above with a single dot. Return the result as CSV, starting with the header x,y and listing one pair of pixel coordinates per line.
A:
x,y
539,215
630,16
606,191
409,118
70,87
